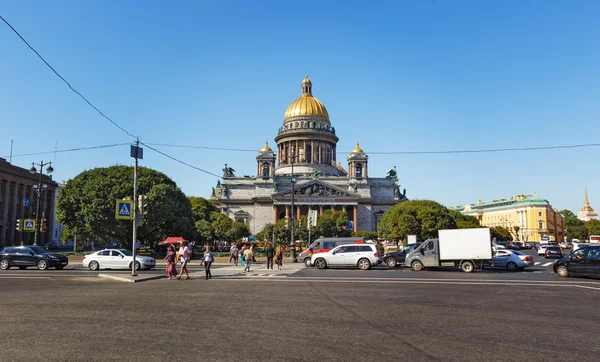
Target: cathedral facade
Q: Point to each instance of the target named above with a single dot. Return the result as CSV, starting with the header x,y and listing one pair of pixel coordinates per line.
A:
x,y
306,162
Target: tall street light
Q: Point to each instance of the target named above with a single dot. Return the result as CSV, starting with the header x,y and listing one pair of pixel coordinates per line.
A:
x,y
39,190
293,258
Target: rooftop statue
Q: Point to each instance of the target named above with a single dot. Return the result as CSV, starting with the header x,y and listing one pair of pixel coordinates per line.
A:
x,y
228,171
315,173
392,174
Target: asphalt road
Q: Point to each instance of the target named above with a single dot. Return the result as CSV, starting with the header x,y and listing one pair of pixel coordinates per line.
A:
x,y
91,319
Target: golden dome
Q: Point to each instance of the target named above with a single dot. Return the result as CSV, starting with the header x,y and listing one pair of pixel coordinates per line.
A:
x,y
266,148
357,149
306,105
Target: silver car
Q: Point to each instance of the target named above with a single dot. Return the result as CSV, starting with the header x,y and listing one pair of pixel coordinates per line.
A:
x,y
511,260
362,256
116,259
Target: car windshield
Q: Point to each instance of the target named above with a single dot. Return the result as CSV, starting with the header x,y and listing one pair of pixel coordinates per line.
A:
x,y
553,248
517,252
39,250
126,252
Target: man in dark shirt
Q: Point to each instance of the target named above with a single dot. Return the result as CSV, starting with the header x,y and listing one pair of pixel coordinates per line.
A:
x,y
270,254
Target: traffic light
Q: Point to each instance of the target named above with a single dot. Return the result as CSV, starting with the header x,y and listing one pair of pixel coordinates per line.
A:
x,y
19,224
43,226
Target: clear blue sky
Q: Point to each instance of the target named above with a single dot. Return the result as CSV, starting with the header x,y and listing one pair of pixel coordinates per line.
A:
x,y
396,76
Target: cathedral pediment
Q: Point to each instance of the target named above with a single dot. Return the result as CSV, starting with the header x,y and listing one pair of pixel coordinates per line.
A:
x,y
317,189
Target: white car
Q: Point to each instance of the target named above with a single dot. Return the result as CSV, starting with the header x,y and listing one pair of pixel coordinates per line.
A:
x,y
116,259
510,259
362,256
542,250
497,247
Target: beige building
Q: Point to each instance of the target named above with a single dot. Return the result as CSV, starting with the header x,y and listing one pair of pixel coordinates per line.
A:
x,y
527,217
306,145
586,213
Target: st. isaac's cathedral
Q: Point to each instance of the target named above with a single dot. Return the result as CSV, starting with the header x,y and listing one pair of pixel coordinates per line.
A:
x,y
306,148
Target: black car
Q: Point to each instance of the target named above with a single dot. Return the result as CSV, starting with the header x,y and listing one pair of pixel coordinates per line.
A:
x,y
395,258
584,261
37,256
553,251
517,245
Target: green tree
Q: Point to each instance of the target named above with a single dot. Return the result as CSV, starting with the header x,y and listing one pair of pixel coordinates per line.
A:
x,y
202,208
86,206
221,224
332,224
237,231
576,229
593,227
501,233
419,217
464,221
204,230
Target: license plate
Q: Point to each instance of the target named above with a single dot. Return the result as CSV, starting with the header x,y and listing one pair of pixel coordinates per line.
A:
x,y
64,263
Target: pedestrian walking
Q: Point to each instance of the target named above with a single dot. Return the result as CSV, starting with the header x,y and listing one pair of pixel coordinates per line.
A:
x,y
234,254
279,257
208,260
170,258
248,254
184,256
270,252
242,256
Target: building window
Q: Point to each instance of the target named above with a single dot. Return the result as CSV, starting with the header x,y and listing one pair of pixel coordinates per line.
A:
x,y
540,225
540,213
358,170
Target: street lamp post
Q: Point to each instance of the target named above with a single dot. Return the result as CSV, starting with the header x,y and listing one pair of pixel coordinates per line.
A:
x,y
293,258
39,191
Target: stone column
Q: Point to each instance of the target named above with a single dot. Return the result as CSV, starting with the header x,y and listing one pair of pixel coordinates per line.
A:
x,y
312,152
275,214
356,218
321,210
298,211
304,151
287,212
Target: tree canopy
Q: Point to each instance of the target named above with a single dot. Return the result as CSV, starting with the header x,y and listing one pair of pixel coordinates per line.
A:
x,y
415,217
576,229
86,206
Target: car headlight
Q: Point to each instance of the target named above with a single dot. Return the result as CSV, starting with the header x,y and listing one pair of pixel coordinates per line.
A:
x,y
52,256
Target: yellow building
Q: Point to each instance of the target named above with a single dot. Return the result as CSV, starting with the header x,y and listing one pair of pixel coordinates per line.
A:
x,y
527,217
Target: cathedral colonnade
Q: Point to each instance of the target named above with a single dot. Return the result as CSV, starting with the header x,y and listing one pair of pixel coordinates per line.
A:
x,y
284,211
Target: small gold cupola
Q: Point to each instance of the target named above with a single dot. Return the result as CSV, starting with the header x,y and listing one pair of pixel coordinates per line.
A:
x,y
266,148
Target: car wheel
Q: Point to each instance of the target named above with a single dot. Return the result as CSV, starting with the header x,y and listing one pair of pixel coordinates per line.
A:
x,y
364,264
321,263
42,264
94,265
512,266
307,262
467,266
137,265
60,267
391,262
417,265
22,267
4,264
562,271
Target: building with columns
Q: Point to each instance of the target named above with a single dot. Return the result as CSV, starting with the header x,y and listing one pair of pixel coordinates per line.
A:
x,y
527,217
586,213
306,145
18,200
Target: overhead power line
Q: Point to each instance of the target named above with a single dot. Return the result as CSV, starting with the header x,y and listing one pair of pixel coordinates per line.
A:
x,y
64,80
517,149
180,161
71,150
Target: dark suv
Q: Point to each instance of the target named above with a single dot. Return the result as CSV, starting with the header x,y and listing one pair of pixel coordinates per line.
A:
x,y
24,256
584,261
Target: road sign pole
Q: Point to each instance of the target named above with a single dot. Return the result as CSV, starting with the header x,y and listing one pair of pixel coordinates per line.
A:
x,y
134,211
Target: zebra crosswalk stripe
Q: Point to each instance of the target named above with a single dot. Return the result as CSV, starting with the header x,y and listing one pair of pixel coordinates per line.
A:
x,y
537,263
547,264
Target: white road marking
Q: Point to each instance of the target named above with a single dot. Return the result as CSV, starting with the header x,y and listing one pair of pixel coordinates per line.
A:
x,y
547,264
537,262
22,277
583,286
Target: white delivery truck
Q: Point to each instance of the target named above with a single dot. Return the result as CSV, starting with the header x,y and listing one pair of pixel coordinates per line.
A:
x,y
468,248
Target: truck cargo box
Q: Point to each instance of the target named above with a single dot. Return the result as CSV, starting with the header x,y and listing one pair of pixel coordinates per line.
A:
x,y
459,244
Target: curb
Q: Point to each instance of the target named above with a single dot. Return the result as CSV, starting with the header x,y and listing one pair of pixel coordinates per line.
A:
x,y
130,279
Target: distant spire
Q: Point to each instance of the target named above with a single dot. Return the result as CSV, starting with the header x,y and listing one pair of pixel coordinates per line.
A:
x,y
586,201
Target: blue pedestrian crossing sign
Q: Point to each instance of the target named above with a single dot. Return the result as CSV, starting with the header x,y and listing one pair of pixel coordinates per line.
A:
x,y
28,225
350,225
26,202
124,210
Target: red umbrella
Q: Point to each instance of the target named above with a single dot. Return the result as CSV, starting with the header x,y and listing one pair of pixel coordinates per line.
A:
x,y
172,240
